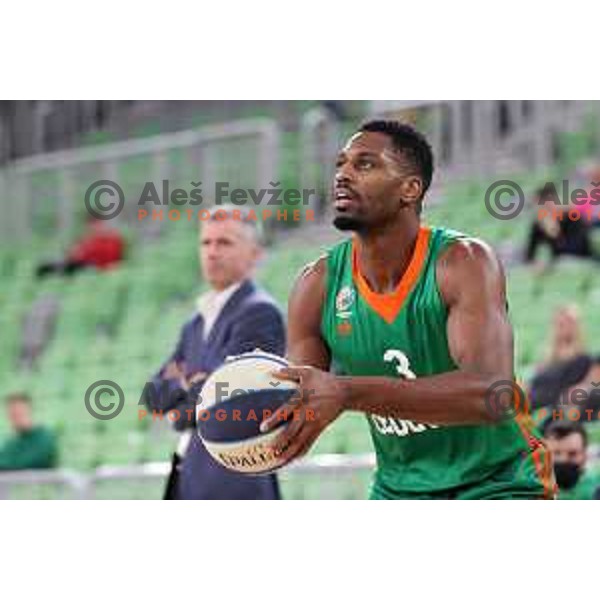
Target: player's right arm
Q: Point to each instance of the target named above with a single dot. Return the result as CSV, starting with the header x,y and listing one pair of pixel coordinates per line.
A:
x,y
306,345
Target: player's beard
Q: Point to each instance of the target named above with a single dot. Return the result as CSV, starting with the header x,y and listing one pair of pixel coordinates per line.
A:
x,y
348,223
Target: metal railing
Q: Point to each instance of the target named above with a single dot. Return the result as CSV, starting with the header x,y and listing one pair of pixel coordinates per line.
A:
x,y
469,138
479,137
54,184
324,476
147,480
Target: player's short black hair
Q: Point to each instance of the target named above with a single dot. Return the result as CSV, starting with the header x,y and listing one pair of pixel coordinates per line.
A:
x,y
561,429
410,143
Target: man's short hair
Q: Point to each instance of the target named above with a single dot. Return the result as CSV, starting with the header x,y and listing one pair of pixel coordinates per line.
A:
x,y
18,397
238,213
410,143
558,430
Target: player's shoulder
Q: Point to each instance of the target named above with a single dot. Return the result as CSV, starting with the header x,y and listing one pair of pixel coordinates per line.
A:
x,y
464,251
465,264
311,277
308,292
315,272
314,269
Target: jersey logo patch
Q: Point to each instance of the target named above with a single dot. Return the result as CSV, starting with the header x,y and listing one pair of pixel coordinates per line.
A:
x,y
344,300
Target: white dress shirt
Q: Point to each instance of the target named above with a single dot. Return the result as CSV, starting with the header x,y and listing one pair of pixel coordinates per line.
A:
x,y
211,303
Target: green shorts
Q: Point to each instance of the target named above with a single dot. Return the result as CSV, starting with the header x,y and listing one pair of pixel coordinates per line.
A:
x,y
527,477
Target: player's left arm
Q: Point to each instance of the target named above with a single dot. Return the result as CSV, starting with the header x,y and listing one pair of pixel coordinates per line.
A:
x,y
472,284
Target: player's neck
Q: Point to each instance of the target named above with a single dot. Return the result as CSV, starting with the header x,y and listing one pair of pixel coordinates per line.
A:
x,y
384,256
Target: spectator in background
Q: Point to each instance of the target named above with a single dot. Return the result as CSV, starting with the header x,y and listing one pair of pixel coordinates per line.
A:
x,y
568,442
567,338
568,385
32,446
233,317
588,207
100,247
568,371
555,229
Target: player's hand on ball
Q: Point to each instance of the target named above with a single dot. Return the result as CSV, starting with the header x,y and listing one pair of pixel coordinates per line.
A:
x,y
319,401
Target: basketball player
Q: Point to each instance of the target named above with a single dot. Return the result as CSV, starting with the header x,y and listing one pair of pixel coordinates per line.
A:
x,y
414,322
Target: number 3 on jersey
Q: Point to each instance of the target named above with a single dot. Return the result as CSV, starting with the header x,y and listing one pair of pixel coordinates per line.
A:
x,y
389,425
402,362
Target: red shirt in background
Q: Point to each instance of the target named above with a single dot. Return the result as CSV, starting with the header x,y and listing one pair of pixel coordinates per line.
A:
x,y
101,249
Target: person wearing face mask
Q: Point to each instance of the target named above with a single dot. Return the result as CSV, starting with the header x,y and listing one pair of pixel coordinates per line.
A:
x,y
567,441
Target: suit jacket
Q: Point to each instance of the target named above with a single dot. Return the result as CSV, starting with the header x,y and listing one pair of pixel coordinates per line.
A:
x,y
250,319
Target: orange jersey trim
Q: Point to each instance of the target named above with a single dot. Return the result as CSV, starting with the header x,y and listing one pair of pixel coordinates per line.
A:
x,y
387,306
544,472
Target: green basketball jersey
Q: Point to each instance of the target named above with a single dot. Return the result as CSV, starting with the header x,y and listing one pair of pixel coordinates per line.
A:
x,y
403,334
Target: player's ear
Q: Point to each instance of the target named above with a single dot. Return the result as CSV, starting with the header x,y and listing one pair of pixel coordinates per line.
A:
x,y
411,190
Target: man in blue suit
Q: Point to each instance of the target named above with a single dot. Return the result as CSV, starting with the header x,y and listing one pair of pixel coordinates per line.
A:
x,y
233,317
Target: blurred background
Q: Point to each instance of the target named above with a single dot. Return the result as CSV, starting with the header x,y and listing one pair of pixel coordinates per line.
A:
x,y
120,318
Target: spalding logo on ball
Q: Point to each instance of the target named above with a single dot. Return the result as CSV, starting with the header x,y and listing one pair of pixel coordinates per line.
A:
x,y
234,401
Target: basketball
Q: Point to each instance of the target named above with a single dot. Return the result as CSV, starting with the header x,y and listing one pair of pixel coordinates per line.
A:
x,y
235,399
